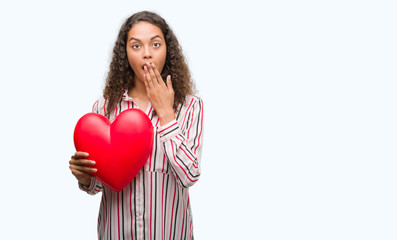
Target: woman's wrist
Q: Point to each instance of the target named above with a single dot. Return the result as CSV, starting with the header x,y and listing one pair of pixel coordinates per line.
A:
x,y
166,116
85,182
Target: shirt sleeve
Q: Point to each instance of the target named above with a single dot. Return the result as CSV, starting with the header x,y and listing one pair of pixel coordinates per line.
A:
x,y
183,146
94,188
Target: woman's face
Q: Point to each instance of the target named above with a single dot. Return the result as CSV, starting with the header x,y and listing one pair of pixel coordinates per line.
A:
x,y
145,43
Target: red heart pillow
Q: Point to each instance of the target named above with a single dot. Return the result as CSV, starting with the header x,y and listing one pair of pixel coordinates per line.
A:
x,y
120,149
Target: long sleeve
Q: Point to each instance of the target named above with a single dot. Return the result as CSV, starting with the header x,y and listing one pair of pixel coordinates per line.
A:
x,y
94,188
182,144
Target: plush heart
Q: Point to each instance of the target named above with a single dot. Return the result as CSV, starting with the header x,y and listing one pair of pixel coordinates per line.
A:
x,y
120,149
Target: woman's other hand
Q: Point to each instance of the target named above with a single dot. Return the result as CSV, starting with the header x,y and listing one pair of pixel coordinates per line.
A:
x,y
78,165
160,95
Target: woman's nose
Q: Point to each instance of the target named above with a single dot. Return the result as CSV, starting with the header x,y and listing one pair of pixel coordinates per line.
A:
x,y
147,54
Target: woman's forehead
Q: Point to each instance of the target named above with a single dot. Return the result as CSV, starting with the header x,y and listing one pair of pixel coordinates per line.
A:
x,y
144,31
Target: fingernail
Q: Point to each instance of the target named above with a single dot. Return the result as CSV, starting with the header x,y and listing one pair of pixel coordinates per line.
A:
x,y
144,67
94,170
152,64
92,162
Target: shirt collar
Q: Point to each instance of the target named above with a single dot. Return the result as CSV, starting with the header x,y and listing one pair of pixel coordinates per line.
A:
x,y
126,97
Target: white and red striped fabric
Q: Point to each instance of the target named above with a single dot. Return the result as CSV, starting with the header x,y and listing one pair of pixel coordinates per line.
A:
x,y
155,205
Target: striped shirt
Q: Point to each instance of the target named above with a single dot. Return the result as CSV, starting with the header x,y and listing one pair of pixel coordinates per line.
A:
x,y
155,204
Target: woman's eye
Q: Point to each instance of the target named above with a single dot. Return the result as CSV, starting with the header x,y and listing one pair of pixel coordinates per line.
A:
x,y
136,46
156,45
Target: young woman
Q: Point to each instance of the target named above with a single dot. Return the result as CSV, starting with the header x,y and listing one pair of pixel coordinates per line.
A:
x,y
148,71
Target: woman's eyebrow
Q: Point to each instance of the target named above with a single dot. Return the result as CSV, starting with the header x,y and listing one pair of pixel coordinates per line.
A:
x,y
136,39
157,36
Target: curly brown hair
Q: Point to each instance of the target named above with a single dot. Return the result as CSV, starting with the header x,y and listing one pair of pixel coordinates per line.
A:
x,y
121,76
